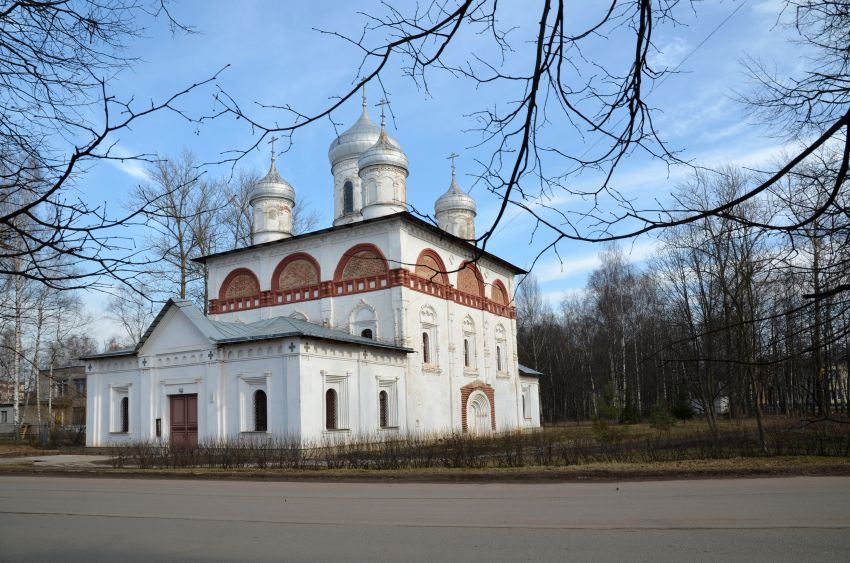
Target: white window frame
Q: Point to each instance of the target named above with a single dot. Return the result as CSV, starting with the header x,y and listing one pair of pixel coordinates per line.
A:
x,y
116,394
501,352
526,402
338,383
390,385
469,335
358,326
428,325
248,385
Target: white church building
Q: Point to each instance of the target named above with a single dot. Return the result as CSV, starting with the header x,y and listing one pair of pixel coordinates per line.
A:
x,y
382,323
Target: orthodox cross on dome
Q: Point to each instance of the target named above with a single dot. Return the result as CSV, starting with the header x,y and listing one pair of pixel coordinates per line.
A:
x,y
271,142
364,97
382,103
452,157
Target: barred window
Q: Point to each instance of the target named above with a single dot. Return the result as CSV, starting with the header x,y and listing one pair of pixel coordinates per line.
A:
x,y
125,414
383,405
330,410
261,423
347,198
426,348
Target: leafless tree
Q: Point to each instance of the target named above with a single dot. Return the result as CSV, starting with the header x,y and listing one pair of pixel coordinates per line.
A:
x,y
57,60
561,88
179,205
132,310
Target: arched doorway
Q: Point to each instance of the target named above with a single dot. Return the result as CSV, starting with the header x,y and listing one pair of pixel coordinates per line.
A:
x,y
478,413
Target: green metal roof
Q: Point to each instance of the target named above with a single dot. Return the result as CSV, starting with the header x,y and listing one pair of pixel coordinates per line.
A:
x,y
225,332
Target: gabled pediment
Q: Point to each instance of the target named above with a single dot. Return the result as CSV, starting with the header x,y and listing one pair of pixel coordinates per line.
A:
x,y
176,328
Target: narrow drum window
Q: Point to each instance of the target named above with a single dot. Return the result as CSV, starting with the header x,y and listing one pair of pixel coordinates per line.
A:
x,y
347,198
261,423
125,414
466,353
426,349
499,358
384,409
330,409
366,333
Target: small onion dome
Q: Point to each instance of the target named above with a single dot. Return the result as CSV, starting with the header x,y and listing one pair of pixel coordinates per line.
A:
x,y
454,199
385,152
355,141
272,185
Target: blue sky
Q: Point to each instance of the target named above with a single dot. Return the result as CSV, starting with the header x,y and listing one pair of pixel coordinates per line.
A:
x,y
276,57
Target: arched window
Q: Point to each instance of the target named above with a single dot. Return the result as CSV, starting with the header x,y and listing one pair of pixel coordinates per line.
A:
x,y
383,408
348,198
426,349
125,414
330,409
360,261
469,344
366,333
499,359
295,271
260,411
241,282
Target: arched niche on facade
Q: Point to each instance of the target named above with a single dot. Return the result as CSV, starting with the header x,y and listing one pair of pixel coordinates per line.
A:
x,y
469,280
499,293
298,315
360,261
363,318
295,271
430,266
241,282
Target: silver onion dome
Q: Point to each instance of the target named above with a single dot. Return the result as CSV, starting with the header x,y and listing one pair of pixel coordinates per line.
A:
x,y
354,141
454,199
272,185
385,152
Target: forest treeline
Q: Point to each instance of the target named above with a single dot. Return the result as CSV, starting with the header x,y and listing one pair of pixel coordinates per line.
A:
x,y
727,318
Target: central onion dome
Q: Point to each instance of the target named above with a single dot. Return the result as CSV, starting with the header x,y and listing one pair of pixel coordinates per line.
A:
x,y
383,176
355,140
385,152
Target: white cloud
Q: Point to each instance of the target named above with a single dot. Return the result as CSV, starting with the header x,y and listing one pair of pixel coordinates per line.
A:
x,y
669,54
129,165
555,270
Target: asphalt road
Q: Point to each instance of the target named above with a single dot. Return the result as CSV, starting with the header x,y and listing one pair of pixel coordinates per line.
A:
x,y
124,520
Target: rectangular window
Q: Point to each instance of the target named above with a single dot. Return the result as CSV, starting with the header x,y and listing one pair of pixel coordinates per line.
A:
x,y
5,416
80,386
61,388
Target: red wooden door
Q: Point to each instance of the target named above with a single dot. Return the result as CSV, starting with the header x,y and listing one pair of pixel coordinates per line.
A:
x,y
184,421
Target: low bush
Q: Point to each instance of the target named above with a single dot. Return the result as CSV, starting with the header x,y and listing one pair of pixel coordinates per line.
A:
x,y
545,447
